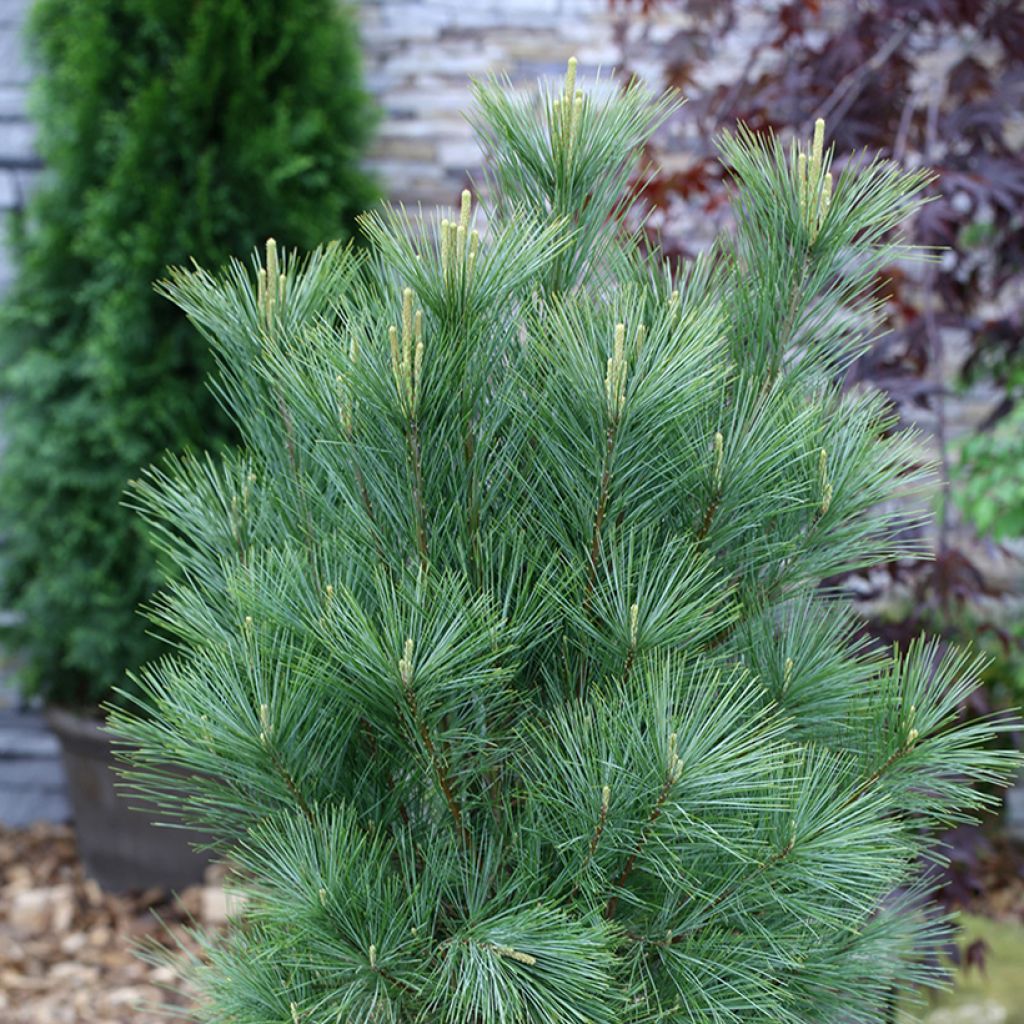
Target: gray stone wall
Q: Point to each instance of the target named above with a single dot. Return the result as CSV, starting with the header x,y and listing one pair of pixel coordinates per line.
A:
x,y
18,161
31,775
420,55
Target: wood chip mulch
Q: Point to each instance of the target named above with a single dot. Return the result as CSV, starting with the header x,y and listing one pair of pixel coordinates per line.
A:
x,y
66,946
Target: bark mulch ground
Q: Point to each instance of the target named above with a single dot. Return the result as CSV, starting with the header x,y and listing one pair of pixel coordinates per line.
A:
x,y
66,947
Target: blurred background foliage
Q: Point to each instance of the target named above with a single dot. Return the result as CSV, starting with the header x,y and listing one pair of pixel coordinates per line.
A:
x,y
169,132
938,83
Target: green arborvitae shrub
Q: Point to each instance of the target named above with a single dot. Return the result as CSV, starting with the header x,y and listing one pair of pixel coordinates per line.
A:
x,y
504,679
169,131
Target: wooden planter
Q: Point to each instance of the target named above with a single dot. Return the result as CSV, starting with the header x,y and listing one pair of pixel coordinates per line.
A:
x,y
119,846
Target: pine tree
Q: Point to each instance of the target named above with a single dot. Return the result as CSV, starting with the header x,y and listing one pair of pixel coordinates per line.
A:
x,y
504,675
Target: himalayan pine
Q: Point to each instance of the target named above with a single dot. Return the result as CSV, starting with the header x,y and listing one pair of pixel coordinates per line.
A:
x,y
504,678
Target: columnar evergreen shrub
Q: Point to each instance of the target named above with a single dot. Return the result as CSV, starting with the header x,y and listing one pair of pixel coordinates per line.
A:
x,y
503,676
169,131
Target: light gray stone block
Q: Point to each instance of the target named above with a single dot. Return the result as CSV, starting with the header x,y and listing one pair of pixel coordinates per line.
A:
x,y
31,773
9,192
13,102
17,143
14,67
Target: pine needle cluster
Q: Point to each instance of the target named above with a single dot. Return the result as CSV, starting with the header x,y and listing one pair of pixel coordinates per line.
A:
x,y
504,676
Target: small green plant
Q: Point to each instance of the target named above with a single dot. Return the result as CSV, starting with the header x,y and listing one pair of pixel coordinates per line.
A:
x,y
169,131
503,675
990,478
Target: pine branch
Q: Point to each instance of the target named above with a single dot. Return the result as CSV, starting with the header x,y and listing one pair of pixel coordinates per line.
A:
x,y
672,774
416,460
438,764
286,777
599,513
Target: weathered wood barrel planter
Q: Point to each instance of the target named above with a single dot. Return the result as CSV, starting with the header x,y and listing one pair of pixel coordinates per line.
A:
x,y
118,843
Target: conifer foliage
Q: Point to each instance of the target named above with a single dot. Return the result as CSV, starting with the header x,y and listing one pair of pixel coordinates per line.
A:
x,y
169,131
504,677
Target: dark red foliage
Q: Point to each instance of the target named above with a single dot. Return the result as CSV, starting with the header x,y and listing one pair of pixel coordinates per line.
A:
x,y
856,63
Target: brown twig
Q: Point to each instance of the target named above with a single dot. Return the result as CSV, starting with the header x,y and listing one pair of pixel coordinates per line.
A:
x,y
439,766
627,870
849,87
709,516
289,782
599,513
595,542
628,667
472,504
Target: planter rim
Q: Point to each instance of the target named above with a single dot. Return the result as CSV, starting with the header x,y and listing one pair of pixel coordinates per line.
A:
x,y
76,726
